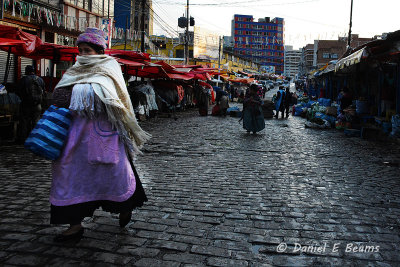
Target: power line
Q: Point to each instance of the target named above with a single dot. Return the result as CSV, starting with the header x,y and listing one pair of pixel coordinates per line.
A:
x,y
238,3
160,20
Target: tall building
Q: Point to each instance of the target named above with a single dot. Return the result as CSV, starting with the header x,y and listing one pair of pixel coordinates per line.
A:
x,y
261,41
136,16
307,58
292,61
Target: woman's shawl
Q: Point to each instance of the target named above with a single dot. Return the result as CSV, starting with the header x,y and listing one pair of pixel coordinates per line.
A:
x,y
104,74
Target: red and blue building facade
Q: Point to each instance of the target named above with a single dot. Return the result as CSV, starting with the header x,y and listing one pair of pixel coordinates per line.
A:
x,y
262,42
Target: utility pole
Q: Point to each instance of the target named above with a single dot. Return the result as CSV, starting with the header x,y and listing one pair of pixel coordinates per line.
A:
x,y
143,14
126,30
351,23
187,35
219,53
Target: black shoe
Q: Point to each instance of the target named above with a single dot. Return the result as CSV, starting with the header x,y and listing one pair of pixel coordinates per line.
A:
x,y
76,237
124,218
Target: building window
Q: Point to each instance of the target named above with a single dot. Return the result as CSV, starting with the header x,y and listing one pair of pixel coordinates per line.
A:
x,y
325,55
179,53
334,55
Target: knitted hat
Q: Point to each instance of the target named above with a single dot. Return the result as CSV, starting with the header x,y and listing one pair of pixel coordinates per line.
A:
x,y
93,36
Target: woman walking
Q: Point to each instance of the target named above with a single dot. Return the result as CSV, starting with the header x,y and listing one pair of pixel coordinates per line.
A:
x,y
95,168
253,118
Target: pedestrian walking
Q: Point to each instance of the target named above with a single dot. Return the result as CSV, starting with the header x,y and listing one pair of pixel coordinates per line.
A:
x,y
253,118
95,168
288,101
30,90
203,99
222,103
280,102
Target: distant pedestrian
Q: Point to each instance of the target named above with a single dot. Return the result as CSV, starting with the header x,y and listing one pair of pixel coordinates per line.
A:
x,y
280,102
31,91
222,103
95,168
203,99
288,101
253,117
346,98
232,90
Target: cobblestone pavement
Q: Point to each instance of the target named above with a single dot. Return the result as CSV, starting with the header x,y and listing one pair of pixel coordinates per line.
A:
x,y
289,196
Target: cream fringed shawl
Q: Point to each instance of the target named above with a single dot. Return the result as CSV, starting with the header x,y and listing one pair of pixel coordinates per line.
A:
x,y
104,74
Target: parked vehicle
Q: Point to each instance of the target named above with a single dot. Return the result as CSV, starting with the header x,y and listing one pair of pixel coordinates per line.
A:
x,y
267,84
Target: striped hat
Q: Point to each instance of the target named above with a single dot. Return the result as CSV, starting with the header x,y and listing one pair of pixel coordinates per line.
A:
x,y
92,36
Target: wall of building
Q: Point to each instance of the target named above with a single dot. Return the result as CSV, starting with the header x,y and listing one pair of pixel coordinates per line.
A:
x,y
292,62
261,42
317,55
136,16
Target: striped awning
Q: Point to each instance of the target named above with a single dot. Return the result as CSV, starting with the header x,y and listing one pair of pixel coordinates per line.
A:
x,y
351,59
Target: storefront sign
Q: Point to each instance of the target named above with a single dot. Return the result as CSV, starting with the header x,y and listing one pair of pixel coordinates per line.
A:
x,y
106,26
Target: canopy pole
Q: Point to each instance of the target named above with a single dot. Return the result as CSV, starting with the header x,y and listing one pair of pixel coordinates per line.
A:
x,y
7,65
187,34
142,48
126,31
52,64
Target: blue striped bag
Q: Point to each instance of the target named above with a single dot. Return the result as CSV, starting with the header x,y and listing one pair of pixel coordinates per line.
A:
x,y
48,137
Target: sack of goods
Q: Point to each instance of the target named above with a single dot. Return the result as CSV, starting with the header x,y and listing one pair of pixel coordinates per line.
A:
x,y
362,107
396,126
234,112
48,137
268,109
331,111
317,123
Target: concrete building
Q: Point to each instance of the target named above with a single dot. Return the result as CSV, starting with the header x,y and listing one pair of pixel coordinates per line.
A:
x,y
135,15
292,62
261,41
317,55
306,60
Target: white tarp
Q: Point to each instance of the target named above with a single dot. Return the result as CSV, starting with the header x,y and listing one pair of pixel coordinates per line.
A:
x,y
351,59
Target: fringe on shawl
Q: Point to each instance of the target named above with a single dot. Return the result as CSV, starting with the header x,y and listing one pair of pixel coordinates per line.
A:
x,y
132,138
87,104
122,116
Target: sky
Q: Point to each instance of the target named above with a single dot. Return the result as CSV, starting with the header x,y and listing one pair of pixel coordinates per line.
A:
x,y
305,20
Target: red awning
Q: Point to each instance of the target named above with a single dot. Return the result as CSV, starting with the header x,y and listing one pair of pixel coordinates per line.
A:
x,y
134,63
142,69
177,76
238,80
173,73
209,86
245,73
187,66
129,55
10,42
30,41
54,52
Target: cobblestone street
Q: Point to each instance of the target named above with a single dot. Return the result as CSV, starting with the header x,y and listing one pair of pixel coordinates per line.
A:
x,y
288,196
